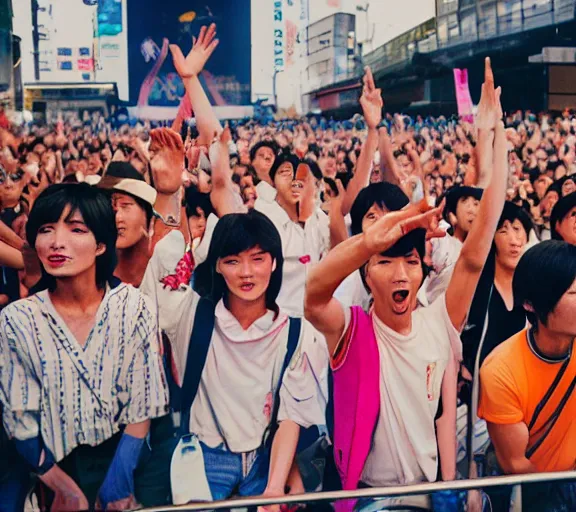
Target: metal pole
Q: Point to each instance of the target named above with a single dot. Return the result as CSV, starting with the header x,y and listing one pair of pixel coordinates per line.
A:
x,y
405,490
36,39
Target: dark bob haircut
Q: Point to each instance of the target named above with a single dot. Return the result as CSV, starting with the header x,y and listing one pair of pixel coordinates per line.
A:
x,y
236,233
543,275
282,159
263,144
561,209
512,212
194,199
96,210
384,194
454,195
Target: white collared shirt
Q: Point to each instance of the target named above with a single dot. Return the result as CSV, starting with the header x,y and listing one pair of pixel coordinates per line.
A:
x,y
302,247
266,192
235,396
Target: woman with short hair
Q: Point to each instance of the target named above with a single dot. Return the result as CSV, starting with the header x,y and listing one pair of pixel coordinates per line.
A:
x,y
80,369
249,375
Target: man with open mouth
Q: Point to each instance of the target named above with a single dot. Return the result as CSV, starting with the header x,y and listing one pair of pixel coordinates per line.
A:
x,y
395,368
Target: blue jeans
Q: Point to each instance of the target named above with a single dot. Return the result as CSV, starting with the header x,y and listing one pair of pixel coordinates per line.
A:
x,y
14,487
235,474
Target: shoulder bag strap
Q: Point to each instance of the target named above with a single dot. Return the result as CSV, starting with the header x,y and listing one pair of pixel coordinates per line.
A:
x,y
556,414
293,338
196,359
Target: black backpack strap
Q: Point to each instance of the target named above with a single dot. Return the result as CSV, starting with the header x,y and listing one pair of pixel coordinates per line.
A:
x,y
196,360
293,338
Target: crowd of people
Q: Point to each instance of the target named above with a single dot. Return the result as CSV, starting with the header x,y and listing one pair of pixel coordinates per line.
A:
x,y
203,311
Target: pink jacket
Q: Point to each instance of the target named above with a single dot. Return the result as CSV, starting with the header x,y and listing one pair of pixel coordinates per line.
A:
x,y
357,406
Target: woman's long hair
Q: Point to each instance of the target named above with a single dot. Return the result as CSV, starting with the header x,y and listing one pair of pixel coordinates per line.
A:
x,y
96,210
236,233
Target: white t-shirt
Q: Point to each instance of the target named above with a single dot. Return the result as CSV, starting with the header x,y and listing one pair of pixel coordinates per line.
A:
x,y
352,292
200,246
302,247
235,397
404,449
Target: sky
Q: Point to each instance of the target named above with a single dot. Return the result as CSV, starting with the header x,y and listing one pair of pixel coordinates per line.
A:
x,y
386,20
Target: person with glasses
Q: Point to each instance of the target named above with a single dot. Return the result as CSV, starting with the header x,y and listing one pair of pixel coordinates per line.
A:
x,y
12,183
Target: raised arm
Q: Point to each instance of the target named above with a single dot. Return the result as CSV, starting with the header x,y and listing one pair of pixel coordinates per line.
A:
x,y
477,246
223,196
338,231
189,69
388,165
10,257
320,307
371,102
484,156
10,237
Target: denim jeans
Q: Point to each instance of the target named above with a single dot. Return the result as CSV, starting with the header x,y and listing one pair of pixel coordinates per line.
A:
x,y
235,474
15,479
14,488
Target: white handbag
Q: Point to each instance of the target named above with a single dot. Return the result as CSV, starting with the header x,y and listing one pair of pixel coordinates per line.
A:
x,y
188,473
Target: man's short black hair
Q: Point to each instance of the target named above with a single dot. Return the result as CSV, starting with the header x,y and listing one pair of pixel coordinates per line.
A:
x,y
416,239
561,209
384,194
38,141
283,158
554,188
543,275
193,199
263,144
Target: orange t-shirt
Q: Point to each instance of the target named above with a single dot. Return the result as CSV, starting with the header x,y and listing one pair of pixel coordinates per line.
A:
x,y
513,381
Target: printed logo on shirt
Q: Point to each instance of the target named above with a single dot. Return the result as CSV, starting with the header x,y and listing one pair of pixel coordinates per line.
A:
x,y
305,259
430,380
268,407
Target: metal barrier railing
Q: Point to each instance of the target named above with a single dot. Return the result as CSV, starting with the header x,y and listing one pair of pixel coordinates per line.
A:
x,y
375,492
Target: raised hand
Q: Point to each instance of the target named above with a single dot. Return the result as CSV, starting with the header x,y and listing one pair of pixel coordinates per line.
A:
x,y
384,233
371,100
489,108
336,201
307,197
202,49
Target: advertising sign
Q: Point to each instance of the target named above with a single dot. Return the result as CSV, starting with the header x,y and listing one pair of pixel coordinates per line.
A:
x,y
279,38
153,79
463,98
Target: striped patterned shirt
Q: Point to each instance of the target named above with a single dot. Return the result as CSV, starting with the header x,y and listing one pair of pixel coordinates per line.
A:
x,y
74,395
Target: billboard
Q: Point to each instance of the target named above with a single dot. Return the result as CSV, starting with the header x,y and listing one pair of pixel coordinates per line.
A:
x,y
153,80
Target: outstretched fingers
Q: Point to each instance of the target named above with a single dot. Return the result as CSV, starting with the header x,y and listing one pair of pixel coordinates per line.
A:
x,y
369,79
201,35
210,34
488,73
428,221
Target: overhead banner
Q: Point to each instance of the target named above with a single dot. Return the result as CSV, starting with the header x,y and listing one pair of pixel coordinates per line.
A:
x,y
463,98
